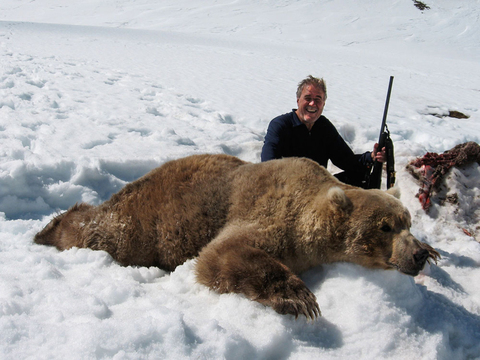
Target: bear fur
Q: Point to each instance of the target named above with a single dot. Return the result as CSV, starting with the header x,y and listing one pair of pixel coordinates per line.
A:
x,y
252,227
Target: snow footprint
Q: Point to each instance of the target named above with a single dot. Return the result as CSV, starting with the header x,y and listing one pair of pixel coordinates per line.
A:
x,y
153,111
6,83
99,142
172,135
38,83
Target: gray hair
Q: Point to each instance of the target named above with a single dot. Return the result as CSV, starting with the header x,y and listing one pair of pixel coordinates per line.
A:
x,y
310,80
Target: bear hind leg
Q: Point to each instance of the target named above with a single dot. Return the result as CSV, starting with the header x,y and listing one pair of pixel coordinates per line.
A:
x,y
62,231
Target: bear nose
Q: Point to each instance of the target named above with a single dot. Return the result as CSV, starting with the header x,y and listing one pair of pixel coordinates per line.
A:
x,y
420,256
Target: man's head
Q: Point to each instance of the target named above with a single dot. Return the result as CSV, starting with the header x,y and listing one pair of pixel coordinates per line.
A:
x,y
311,96
310,80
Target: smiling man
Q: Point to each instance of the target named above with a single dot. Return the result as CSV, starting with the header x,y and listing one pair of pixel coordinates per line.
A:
x,y
305,132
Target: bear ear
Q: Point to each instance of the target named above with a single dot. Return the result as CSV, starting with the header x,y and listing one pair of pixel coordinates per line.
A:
x,y
338,197
394,191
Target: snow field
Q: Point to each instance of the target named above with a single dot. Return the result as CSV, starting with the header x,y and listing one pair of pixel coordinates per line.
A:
x,y
95,94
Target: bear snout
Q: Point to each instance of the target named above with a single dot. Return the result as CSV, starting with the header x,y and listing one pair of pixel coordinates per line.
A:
x,y
410,255
420,257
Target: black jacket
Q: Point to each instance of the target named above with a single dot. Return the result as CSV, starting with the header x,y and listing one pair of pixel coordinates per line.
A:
x,y
287,136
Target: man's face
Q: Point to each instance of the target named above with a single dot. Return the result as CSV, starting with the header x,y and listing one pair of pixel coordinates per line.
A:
x,y
310,105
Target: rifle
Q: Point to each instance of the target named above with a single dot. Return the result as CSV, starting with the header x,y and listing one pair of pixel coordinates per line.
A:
x,y
384,141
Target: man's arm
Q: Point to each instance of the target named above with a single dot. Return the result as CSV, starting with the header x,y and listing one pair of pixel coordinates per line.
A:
x,y
365,159
271,145
343,157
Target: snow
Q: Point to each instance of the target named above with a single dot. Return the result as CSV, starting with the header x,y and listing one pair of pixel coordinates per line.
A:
x,y
94,94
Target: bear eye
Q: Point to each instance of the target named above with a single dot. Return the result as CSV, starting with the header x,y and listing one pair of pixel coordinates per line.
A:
x,y
386,228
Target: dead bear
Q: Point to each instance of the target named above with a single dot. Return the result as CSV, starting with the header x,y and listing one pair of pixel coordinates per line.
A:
x,y
252,227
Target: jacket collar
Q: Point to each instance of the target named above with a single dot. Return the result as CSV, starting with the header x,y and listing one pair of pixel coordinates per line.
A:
x,y
297,122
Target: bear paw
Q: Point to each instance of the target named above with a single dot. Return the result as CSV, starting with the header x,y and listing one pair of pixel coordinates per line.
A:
x,y
296,300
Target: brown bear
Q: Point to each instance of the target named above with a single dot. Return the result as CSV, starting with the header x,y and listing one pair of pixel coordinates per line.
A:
x,y
252,227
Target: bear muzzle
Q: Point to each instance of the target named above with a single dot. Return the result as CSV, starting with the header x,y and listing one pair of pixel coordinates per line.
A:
x,y
411,256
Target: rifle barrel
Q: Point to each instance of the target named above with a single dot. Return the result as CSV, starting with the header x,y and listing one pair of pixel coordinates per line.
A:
x,y
385,111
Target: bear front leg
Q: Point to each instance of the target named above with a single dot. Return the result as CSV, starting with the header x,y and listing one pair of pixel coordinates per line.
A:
x,y
234,266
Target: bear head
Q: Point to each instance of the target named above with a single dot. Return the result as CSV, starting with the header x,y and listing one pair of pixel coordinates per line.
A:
x,y
376,230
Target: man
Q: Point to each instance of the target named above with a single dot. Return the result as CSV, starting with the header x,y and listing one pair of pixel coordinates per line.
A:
x,y
305,132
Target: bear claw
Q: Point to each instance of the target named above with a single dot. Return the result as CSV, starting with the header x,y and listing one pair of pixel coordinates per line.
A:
x,y
301,302
309,309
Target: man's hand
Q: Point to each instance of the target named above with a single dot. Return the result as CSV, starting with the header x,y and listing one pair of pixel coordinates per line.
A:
x,y
379,156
